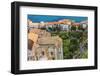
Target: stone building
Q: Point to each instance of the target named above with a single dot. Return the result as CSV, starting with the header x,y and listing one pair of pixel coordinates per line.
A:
x,y
52,47
45,46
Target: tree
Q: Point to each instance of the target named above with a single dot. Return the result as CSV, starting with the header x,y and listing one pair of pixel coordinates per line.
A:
x,y
73,28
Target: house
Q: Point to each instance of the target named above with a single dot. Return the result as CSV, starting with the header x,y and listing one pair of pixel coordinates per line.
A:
x,y
84,24
65,27
65,24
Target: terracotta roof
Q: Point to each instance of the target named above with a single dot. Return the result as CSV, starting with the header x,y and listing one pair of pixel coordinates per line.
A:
x,y
76,24
64,21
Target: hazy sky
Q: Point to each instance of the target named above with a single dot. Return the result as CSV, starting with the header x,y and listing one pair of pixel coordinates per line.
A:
x,y
51,18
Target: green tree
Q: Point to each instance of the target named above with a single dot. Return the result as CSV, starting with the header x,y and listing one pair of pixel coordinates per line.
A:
x,y
73,28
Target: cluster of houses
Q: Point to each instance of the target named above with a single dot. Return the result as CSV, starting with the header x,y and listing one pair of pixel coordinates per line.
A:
x,y
64,25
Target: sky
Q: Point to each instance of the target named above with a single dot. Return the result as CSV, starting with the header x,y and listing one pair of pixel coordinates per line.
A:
x,y
51,18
